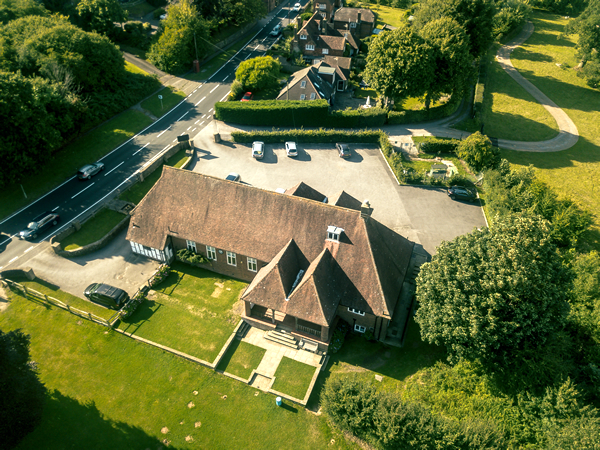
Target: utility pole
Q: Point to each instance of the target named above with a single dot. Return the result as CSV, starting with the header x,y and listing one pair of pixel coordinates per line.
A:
x,y
195,46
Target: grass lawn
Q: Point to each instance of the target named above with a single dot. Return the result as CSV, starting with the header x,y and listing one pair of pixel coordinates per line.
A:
x,y
138,190
88,148
364,93
76,302
572,172
208,69
191,299
293,377
107,391
93,230
241,359
171,97
386,14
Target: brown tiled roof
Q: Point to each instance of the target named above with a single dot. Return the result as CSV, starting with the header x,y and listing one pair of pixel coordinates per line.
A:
x,y
314,84
341,63
351,15
305,191
259,223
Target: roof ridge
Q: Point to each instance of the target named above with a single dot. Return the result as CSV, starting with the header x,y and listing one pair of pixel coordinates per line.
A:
x,y
374,262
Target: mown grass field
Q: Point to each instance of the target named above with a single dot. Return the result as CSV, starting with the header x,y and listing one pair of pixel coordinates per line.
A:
x,y
241,359
107,391
293,377
571,173
93,230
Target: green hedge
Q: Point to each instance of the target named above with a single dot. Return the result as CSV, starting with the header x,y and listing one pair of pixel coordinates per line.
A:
x,y
424,115
357,118
277,113
434,146
320,135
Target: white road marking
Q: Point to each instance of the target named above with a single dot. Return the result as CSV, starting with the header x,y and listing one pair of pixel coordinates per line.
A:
x,y
224,97
30,248
113,169
213,89
225,79
188,128
193,130
168,146
247,56
1,267
162,132
195,90
55,208
203,116
13,260
210,110
196,122
201,123
182,117
175,140
200,100
85,189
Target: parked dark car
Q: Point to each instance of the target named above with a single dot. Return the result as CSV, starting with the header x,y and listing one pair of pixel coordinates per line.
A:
x,y
106,295
40,224
343,150
462,193
88,171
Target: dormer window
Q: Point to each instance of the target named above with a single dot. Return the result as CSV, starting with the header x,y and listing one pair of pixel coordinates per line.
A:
x,y
333,233
303,36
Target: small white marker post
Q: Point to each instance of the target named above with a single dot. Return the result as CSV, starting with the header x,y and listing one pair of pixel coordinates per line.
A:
x,y
161,105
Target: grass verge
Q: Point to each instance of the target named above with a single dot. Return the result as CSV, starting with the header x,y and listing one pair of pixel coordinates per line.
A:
x,y
170,98
109,391
241,359
93,230
293,377
64,165
208,69
193,300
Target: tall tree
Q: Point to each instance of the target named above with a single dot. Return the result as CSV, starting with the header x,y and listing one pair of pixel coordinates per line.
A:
x,y
258,73
588,44
21,392
399,64
453,63
478,152
475,16
495,293
239,12
13,9
100,15
185,32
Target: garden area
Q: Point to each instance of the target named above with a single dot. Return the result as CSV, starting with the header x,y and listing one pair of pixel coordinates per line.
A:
x,y
93,229
190,311
293,377
241,358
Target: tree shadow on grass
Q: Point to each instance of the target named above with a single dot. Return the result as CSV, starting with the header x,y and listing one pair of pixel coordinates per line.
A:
x,y
522,53
142,314
67,423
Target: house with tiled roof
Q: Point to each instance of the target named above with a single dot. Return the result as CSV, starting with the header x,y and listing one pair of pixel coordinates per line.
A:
x,y
317,38
326,8
309,84
310,262
360,22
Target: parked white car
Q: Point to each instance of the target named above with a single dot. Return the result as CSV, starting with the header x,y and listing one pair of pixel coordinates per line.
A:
x,y
290,149
258,149
297,7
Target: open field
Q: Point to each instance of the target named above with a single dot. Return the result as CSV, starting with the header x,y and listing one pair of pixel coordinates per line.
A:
x,y
386,14
93,230
191,299
109,391
572,172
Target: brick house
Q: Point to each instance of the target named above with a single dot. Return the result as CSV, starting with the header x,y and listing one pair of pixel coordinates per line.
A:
x,y
309,84
326,8
310,261
316,39
360,22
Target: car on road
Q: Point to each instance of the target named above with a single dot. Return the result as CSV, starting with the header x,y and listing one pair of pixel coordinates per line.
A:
x,y
276,31
258,149
40,224
462,193
247,97
343,150
89,170
296,7
106,295
233,177
291,149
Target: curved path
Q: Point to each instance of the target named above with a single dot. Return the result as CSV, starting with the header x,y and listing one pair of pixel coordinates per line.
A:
x,y
566,138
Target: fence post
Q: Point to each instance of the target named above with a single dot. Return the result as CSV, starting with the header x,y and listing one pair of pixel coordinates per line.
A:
x,y
25,290
46,297
69,307
90,314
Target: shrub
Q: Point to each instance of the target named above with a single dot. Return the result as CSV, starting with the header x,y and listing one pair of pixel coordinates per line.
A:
x,y
191,257
274,112
436,146
338,337
320,135
423,115
159,12
478,152
357,118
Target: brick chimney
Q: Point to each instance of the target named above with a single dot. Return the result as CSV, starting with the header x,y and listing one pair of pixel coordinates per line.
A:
x,y
365,210
358,17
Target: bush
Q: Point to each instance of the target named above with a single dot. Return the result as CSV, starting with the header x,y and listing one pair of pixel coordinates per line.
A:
x,y
357,118
159,12
436,113
191,257
338,337
478,152
274,112
436,146
320,135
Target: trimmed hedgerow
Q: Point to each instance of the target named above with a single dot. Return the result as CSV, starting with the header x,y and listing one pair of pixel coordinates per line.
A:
x,y
301,135
435,146
357,118
278,113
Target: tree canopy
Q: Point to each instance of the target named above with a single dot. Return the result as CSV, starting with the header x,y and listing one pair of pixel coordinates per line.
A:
x,y
399,64
21,392
478,152
495,292
257,74
184,32
100,15
588,44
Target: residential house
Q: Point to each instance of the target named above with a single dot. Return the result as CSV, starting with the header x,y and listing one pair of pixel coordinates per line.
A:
x,y
316,39
325,8
360,22
342,67
308,84
309,263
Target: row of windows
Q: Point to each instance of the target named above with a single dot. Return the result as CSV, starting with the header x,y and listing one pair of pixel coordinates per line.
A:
x,y
312,96
211,253
356,311
311,47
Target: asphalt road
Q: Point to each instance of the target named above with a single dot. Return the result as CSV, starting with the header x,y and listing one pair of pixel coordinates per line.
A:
x,y
74,199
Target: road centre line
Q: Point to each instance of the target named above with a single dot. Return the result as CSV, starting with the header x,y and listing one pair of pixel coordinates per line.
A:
x,y
201,123
210,110
113,168
200,100
224,97
55,208
162,132
30,248
188,128
213,89
193,130
225,79
84,189
247,56
13,260
140,149
182,117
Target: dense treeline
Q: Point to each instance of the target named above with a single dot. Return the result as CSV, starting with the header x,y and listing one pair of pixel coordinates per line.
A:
x,y
56,81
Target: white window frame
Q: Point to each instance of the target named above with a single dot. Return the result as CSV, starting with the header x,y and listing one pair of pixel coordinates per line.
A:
x,y
191,245
356,311
302,84
321,6
211,253
252,265
313,96
323,14
231,259
326,51
309,47
303,37
359,328
302,97
352,24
